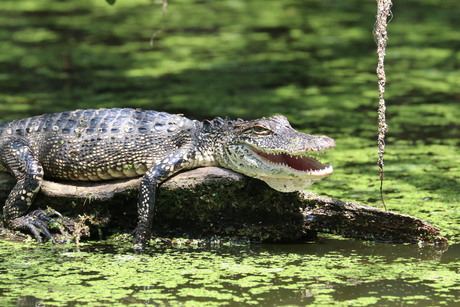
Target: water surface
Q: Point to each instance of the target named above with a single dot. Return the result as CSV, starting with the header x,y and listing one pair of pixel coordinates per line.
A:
x,y
313,61
332,272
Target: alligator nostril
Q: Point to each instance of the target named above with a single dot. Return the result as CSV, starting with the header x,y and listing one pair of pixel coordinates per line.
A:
x,y
328,140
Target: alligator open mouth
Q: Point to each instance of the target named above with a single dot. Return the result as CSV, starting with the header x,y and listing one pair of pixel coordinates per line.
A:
x,y
301,163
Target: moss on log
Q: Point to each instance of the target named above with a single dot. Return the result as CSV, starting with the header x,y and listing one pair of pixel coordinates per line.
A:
x,y
214,201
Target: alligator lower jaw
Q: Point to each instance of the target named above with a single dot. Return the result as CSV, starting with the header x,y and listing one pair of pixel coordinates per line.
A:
x,y
299,164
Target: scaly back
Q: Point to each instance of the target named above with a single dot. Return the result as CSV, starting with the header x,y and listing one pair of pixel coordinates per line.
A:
x,y
100,144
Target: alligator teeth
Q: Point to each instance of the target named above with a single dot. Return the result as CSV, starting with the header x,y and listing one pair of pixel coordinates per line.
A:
x,y
300,163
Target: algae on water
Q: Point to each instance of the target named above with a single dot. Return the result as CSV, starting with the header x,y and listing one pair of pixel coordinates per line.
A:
x,y
339,272
313,61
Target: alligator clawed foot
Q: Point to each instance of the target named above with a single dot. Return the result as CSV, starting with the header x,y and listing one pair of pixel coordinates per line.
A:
x,y
37,222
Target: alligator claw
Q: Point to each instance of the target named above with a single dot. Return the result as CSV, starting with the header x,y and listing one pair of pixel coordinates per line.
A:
x,y
37,222
45,214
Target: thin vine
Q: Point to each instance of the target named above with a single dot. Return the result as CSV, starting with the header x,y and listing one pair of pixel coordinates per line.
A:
x,y
164,7
381,35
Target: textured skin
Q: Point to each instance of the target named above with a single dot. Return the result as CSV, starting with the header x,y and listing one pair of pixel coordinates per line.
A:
x,y
119,143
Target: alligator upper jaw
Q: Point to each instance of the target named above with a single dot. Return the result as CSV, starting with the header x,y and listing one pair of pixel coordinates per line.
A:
x,y
299,163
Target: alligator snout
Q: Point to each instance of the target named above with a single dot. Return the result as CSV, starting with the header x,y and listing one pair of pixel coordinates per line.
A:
x,y
327,141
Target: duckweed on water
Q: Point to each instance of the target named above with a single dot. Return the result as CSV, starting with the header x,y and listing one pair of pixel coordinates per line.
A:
x,y
313,61
343,272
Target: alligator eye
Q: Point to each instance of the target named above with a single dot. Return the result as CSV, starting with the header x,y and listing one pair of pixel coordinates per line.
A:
x,y
261,130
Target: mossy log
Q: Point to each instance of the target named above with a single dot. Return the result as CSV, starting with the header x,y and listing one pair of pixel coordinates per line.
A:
x,y
213,201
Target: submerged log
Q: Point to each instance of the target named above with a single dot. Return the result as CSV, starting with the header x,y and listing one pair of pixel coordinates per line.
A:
x,y
214,201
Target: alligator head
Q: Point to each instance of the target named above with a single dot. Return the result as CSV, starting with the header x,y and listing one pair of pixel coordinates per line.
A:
x,y
271,150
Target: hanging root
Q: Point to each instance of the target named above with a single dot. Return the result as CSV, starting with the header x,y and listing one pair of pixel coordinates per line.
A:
x,y
380,33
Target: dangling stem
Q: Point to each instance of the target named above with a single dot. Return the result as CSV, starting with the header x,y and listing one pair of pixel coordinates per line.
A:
x,y
380,32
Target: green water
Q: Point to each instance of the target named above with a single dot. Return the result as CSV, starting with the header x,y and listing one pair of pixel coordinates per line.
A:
x,y
334,272
313,61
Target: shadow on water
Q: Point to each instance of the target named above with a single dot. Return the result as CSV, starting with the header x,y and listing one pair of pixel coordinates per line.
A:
x,y
389,252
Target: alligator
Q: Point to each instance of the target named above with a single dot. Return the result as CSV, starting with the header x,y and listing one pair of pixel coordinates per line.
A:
x,y
105,144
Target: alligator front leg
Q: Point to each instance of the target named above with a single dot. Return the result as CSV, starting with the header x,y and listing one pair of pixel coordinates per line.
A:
x,y
20,161
147,194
